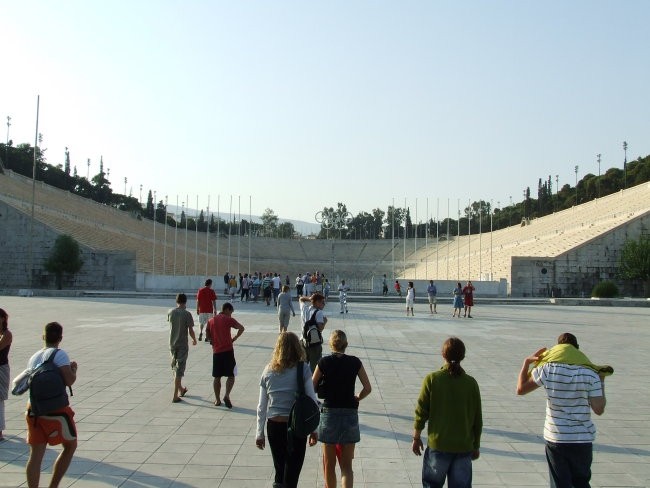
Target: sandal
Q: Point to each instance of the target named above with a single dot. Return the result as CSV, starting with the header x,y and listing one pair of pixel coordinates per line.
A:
x,y
217,403
227,402
183,391
176,400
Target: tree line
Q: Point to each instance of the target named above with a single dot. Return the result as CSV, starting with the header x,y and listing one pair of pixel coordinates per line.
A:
x,y
336,222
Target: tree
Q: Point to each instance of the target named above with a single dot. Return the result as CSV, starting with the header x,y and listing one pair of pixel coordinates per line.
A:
x,y
148,209
634,262
65,258
286,230
269,221
393,215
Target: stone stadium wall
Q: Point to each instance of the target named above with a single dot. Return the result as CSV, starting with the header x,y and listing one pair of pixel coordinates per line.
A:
x,y
102,270
576,272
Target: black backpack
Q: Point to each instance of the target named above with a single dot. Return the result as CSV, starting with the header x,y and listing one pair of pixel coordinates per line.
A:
x,y
47,388
305,413
311,333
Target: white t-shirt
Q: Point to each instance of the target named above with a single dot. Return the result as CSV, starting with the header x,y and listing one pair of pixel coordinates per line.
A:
x,y
61,358
276,282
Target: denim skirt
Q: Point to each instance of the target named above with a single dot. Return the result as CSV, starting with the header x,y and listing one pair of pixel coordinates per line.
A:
x,y
339,426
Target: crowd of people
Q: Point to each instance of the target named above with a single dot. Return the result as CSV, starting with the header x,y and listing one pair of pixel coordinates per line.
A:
x,y
448,406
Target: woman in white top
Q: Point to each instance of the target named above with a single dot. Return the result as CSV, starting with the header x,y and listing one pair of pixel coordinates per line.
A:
x,y
278,387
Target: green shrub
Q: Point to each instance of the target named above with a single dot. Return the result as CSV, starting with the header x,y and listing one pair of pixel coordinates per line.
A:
x,y
605,289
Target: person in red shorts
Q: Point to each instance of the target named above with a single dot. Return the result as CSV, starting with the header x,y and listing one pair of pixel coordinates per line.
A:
x,y
56,427
223,352
206,307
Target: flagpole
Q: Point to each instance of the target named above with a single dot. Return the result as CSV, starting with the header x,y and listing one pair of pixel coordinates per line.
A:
x,y
239,233
31,222
229,232
437,236
207,236
448,250
426,243
392,247
415,240
469,238
165,240
458,240
175,232
196,238
218,233
187,201
404,246
250,231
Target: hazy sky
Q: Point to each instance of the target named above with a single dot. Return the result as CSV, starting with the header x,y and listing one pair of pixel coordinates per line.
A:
x,y
304,104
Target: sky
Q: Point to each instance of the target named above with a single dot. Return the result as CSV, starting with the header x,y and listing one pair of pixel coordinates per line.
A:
x,y
295,106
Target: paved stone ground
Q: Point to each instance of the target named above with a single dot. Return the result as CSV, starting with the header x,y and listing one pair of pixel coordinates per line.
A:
x,y
131,435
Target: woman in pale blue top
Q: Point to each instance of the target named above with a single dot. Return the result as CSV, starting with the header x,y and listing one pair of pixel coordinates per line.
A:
x,y
278,387
285,308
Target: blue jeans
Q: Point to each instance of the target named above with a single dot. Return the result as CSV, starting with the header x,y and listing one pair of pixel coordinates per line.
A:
x,y
569,465
438,465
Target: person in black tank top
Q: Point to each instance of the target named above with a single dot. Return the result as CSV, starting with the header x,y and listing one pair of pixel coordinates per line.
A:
x,y
334,379
5,345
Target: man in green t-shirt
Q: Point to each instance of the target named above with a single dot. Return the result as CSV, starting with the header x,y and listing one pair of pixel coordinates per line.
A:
x,y
181,324
450,403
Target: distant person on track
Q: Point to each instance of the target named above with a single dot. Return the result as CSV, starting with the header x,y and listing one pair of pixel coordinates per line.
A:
x,y
285,308
398,288
410,298
468,300
206,307
432,293
343,296
458,299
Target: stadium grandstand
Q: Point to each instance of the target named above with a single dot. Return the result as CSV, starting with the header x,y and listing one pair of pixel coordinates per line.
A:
x,y
560,254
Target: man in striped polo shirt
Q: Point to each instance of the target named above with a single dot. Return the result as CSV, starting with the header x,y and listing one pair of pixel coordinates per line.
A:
x,y
572,391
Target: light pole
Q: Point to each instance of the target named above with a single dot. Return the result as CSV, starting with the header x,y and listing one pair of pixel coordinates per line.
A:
x,y
125,180
88,170
598,186
625,165
7,144
153,252
557,194
510,213
140,199
525,204
165,246
576,170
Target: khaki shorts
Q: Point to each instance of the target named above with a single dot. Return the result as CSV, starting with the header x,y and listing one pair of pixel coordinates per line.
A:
x,y
179,360
432,300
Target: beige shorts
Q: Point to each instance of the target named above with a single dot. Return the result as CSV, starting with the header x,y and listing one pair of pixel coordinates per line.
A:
x,y
432,300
